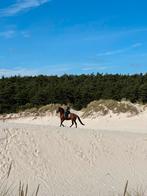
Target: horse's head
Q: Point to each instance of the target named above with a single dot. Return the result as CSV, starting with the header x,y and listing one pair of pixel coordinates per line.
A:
x,y
60,110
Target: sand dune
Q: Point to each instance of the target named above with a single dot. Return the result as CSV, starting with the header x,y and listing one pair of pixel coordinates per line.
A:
x,y
121,122
88,161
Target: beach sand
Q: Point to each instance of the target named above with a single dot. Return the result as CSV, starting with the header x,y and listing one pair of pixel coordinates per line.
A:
x,y
95,159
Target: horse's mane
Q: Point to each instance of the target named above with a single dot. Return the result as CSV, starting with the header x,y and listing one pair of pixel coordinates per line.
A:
x,y
61,109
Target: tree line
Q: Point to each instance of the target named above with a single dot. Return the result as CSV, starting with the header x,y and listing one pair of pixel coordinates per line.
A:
x,y
18,93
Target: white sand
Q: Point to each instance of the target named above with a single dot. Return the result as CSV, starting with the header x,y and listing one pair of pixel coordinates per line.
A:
x,y
137,124
93,160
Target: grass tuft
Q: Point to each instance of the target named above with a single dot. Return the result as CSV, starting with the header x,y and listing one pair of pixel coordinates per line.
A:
x,y
104,107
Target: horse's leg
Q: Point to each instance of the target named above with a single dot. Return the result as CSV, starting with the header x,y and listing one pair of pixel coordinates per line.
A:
x,y
72,123
61,123
75,123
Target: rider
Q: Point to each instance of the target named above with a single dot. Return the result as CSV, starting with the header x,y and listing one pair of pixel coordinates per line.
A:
x,y
67,112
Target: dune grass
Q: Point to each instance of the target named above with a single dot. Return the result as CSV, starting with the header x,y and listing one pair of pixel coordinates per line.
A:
x,y
50,107
138,192
8,190
23,189
104,107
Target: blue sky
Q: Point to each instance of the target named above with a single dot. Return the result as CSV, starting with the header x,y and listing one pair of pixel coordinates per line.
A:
x,y
73,37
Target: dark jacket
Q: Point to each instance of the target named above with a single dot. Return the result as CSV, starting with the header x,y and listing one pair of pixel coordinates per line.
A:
x,y
67,112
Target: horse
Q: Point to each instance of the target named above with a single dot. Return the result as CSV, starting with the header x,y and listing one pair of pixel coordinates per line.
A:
x,y
73,117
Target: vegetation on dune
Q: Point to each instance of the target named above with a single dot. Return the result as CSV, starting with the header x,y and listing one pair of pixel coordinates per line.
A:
x,y
104,107
8,190
50,107
19,93
23,190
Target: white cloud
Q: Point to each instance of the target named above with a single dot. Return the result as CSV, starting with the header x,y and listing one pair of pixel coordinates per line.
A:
x,y
21,5
23,71
17,71
8,34
112,52
25,34
119,51
94,68
107,35
136,45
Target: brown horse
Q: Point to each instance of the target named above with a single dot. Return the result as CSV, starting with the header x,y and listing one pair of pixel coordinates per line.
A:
x,y
71,117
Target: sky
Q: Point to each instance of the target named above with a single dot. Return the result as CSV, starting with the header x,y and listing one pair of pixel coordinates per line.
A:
x,y
56,37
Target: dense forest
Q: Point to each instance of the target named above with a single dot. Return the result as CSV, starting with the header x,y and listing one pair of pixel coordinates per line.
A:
x,y
17,93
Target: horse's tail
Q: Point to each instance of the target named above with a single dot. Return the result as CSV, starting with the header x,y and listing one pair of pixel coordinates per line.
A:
x,y
80,120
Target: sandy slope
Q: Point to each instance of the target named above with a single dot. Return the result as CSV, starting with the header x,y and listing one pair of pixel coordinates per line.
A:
x,y
72,162
113,122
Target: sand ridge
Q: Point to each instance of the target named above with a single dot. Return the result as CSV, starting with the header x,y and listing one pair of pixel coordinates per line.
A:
x,y
73,161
